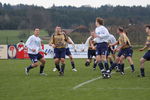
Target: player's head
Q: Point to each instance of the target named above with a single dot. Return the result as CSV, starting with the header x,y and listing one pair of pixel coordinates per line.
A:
x,y
147,29
92,33
21,40
99,21
120,30
58,30
36,31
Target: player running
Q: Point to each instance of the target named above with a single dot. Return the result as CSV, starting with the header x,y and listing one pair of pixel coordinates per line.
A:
x,y
101,38
125,51
59,41
146,56
91,50
34,46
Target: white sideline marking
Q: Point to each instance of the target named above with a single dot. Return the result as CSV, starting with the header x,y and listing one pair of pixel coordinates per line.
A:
x,y
89,81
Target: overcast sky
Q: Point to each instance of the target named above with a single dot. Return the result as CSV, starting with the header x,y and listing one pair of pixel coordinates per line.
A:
x,y
78,3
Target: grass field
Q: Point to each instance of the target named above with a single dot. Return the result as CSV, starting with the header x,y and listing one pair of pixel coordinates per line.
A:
x,y
11,36
14,85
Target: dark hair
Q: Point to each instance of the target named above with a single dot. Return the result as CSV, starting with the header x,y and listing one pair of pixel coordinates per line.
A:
x,y
121,29
148,26
100,21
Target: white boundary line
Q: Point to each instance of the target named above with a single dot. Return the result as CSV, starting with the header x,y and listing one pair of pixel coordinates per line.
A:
x,y
89,81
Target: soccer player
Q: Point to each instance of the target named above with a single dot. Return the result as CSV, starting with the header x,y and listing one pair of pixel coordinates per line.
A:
x,y
146,56
125,51
110,53
68,53
58,41
91,51
101,38
34,46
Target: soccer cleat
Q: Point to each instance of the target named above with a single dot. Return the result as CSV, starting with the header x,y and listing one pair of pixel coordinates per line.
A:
x,y
26,71
61,74
43,74
141,76
94,69
54,69
132,71
117,70
122,73
104,75
87,64
75,70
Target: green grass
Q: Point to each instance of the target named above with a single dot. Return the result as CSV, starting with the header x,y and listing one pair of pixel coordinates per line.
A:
x,y
11,36
14,85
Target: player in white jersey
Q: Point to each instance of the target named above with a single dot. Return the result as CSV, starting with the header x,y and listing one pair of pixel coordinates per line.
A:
x,y
91,50
111,53
34,46
101,38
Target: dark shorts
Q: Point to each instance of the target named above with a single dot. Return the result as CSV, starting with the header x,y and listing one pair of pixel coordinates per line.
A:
x,y
91,53
35,57
127,52
59,52
147,55
68,53
101,48
109,51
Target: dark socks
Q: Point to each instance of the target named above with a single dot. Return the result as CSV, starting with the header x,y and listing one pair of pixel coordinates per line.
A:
x,y
73,65
62,68
119,67
132,68
142,72
30,67
111,62
41,68
122,67
58,67
113,66
100,64
106,65
95,64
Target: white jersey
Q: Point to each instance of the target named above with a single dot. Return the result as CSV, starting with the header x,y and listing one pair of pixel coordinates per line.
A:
x,y
86,45
87,41
112,39
33,42
103,34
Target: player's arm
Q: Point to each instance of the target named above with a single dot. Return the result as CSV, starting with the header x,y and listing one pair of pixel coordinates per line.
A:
x,y
145,47
51,42
71,42
40,49
116,43
122,45
86,44
142,49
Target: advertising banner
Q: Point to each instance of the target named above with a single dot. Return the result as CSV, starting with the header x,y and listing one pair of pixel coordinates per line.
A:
x,y
12,51
3,52
20,51
76,54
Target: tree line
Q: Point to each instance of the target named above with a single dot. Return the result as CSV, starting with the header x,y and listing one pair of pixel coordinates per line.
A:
x,y
22,16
